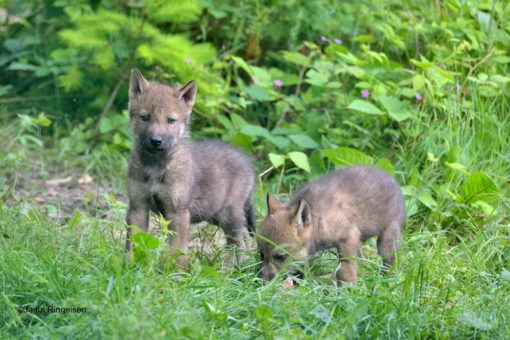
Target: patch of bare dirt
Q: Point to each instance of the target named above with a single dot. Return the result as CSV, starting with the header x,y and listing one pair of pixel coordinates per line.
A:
x,y
61,196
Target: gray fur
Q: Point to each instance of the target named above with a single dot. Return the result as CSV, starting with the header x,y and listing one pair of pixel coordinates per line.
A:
x,y
341,210
187,182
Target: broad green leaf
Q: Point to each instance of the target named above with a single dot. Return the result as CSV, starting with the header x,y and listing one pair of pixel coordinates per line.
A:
x,y
427,199
316,78
457,167
487,209
418,82
317,164
256,92
241,63
347,156
385,164
263,77
409,190
356,72
227,124
304,141
300,160
276,159
255,131
479,187
396,109
279,141
364,106
42,120
238,121
145,240
243,141
296,58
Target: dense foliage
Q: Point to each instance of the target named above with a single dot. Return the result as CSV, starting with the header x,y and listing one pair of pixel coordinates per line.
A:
x,y
419,88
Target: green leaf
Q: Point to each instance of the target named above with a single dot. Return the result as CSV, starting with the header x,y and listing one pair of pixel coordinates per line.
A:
x,y
296,58
479,187
145,241
42,120
316,78
485,207
300,160
276,159
398,110
255,131
418,82
505,274
165,11
256,92
238,121
241,63
364,106
385,164
426,198
227,124
304,141
279,141
242,141
457,167
347,156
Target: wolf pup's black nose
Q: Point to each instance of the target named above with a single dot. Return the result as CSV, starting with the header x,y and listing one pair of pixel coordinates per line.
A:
x,y
156,141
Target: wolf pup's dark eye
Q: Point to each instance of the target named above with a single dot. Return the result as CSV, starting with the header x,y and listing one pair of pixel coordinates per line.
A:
x,y
145,118
171,120
280,257
261,256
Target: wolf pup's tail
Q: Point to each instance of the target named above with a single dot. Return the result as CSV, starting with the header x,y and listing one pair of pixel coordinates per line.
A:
x,y
249,213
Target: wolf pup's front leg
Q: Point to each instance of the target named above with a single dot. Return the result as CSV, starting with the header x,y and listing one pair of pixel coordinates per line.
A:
x,y
180,223
138,212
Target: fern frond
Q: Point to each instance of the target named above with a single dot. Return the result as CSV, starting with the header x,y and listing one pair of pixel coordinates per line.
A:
x,y
175,11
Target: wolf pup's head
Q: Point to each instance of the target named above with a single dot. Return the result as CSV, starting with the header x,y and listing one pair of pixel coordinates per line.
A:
x,y
284,237
159,113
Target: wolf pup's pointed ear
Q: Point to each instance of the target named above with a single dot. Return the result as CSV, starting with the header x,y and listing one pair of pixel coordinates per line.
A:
x,y
303,214
187,93
272,204
137,84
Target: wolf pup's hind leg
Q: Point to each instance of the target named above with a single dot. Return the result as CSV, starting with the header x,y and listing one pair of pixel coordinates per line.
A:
x,y
388,243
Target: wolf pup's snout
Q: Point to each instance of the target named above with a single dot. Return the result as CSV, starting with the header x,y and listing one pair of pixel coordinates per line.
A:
x,y
155,143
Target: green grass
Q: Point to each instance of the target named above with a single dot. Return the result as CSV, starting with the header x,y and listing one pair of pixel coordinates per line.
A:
x,y
451,279
435,290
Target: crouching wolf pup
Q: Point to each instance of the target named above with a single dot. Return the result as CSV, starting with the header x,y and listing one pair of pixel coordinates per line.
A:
x,y
186,182
341,210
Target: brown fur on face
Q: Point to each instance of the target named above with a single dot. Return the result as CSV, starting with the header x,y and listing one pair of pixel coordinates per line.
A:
x,y
285,236
186,182
159,114
341,210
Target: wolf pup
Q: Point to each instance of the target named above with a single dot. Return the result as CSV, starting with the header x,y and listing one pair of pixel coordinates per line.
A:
x,y
186,182
341,210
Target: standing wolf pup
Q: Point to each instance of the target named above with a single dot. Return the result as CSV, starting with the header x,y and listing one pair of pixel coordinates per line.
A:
x,y
187,182
341,210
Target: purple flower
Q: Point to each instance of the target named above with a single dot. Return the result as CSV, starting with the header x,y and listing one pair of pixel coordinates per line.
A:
x,y
323,38
189,60
365,93
418,97
277,83
254,80
337,41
